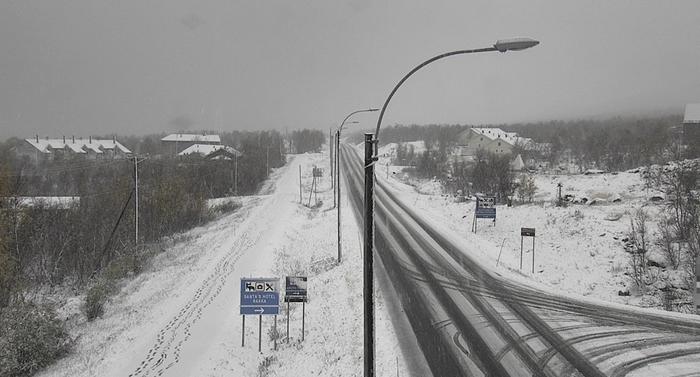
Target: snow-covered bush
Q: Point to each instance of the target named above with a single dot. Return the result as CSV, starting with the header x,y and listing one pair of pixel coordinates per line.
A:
x,y
95,300
264,367
31,337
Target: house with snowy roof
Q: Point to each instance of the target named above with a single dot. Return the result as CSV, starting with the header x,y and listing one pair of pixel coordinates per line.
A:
x,y
210,151
38,149
492,140
691,129
178,142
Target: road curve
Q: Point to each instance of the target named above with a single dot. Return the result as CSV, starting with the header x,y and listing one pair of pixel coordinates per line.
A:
x,y
470,321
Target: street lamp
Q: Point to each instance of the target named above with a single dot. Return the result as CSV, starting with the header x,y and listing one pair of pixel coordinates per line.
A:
x,y
336,161
335,142
503,45
337,145
337,170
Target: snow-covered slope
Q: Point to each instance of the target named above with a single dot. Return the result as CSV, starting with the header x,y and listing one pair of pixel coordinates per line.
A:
x,y
186,305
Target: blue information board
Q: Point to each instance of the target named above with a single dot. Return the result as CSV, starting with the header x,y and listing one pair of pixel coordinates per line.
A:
x,y
485,213
260,296
485,207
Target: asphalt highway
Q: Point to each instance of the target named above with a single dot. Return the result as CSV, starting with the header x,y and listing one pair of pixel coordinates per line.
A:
x,y
471,321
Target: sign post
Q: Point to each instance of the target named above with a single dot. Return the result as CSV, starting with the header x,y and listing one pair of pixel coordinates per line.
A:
x,y
295,291
259,296
697,285
527,232
485,209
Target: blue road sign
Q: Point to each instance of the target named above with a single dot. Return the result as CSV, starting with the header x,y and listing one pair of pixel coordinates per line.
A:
x,y
260,296
485,213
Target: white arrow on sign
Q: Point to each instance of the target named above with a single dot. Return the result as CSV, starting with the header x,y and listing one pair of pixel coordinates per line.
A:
x,y
259,311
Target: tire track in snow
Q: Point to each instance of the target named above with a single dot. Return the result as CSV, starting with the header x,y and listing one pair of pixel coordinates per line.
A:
x,y
166,350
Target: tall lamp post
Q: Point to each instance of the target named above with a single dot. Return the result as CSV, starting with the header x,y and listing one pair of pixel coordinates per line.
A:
x,y
337,145
514,44
337,171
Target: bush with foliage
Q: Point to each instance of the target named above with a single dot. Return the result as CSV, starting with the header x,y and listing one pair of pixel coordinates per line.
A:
x,y
31,337
95,299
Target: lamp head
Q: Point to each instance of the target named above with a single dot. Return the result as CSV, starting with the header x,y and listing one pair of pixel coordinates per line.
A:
x,y
515,44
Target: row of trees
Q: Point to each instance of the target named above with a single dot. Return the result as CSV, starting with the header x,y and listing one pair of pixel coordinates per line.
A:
x,y
612,144
307,140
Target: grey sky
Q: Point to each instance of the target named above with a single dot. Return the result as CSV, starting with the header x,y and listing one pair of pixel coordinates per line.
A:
x,y
94,67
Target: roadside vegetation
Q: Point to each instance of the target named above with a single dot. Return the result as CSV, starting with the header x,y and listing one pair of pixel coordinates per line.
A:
x,y
85,244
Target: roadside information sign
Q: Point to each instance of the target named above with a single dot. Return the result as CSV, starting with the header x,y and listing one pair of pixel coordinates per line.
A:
x,y
485,207
527,232
295,289
260,296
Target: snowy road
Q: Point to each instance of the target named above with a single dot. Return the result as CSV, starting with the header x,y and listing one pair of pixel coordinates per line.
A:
x,y
470,320
190,342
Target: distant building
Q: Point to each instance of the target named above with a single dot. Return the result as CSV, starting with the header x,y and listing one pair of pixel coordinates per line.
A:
x,y
691,130
492,140
38,149
210,151
179,142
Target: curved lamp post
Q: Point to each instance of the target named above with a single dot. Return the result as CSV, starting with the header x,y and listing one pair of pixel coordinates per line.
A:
x,y
503,45
337,145
337,184
337,171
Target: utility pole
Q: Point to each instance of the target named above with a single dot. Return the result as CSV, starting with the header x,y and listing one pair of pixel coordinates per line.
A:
x,y
136,207
235,177
368,267
330,153
334,140
267,160
337,161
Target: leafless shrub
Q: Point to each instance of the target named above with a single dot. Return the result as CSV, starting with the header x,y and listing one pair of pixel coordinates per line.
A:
x,y
668,244
526,188
638,247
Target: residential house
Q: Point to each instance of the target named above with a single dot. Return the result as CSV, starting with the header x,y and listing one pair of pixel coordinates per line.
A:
x,y
179,142
210,151
691,130
53,149
492,140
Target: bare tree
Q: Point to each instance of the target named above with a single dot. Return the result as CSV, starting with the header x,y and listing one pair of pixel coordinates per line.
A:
x,y
668,243
638,250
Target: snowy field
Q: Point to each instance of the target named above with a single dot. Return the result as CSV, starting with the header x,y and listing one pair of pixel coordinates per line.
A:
x,y
578,248
185,305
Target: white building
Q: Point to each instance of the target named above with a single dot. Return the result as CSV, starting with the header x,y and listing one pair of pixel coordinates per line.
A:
x,y
206,150
179,142
51,149
492,140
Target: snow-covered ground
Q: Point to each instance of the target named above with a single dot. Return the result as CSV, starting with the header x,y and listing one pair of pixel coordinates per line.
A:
x,y
186,303
578,248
